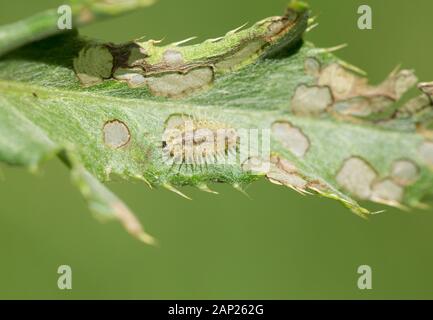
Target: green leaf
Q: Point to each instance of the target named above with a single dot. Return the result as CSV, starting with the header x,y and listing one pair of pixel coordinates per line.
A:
x,y
330,132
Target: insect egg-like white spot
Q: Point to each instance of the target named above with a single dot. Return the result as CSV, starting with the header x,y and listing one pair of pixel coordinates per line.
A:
x,y
116,134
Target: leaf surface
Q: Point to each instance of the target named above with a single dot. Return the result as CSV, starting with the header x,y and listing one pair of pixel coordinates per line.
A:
x,y
330,132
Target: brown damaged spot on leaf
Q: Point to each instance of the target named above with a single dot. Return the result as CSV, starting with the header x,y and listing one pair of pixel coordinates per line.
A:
x,y
357,177
346,85
362,106
173,58
134,80
320,187
291,138
170,84
284,164
426,152
404,172
256,165
176,85
284,173
387,192
311,100
280,171
116,134
353,95
312,67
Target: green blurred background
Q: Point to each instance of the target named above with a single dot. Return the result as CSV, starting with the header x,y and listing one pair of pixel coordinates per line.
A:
x,y
279,245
